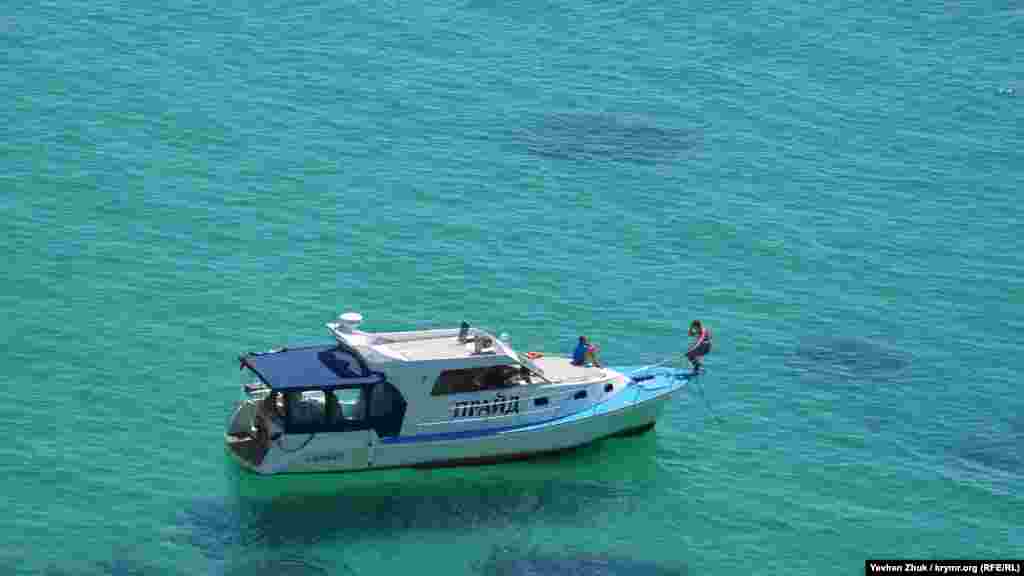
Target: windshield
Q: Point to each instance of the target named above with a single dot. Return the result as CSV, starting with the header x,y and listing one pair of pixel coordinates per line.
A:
x,y
252,386
525,361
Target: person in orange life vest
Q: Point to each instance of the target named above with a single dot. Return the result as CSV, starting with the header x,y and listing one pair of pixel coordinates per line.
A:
x,y
701,346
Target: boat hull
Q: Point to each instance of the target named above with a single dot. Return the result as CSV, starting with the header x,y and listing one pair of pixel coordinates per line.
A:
x,y
633,410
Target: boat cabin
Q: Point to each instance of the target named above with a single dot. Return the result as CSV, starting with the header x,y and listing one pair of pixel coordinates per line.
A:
x,y
325,388
415,382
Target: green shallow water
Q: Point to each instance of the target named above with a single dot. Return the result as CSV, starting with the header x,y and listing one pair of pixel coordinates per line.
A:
x,y
833,189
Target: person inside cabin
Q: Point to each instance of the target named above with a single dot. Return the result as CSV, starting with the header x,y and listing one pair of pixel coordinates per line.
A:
x,y
269,421
701,347
585,353
273,405
297,407
332,410
493,378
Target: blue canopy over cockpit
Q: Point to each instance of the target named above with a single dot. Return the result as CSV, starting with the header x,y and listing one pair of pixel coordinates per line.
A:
x,y
310,367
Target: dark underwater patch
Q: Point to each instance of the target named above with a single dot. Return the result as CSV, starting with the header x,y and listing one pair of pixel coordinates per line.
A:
x,y
589,137
119,565
848,356
1005,454
289,565
122,566
223,530
216,527
1017,425
513,561
873,423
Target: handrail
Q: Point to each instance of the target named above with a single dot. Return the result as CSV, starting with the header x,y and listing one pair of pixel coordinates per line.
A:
x,y
671,359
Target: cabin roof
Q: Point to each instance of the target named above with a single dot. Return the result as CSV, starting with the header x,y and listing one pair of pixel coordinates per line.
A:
x,y
431,349
420,345
322,366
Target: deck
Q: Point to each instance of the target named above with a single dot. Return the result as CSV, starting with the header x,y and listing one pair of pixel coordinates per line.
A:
x,y
418,345
561,369
429,349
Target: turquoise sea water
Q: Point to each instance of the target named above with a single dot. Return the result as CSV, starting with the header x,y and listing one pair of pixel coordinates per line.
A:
x,y
834,188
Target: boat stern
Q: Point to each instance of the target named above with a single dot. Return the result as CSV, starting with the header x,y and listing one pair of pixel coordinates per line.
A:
x,y
246,438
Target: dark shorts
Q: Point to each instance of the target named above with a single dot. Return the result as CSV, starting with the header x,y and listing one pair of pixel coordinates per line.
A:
x,y
699,351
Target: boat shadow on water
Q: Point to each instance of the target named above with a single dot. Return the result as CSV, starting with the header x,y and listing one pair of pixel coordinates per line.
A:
x,y
271,514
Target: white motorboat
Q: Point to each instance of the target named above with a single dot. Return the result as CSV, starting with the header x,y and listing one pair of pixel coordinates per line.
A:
x,y
429,398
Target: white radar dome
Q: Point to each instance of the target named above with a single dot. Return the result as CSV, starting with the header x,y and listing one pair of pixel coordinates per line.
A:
x,y
349,321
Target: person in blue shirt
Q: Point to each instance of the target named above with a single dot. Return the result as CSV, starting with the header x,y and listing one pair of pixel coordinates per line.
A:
x,y
585,352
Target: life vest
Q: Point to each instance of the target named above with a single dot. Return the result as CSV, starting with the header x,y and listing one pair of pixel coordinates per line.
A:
x,y
703,341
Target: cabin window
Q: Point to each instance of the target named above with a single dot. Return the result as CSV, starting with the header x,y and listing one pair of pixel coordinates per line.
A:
x,y
540,401
381,408
385,400
476,379
343,361
454,382
500,377
387,409
580,395
273,404
306,409
347,406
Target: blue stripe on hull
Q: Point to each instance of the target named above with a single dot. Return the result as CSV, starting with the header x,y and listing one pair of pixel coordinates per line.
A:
x,y
614,403
486,460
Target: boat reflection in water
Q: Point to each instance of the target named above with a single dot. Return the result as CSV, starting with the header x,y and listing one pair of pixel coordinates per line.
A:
x,y
289,521
559,488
